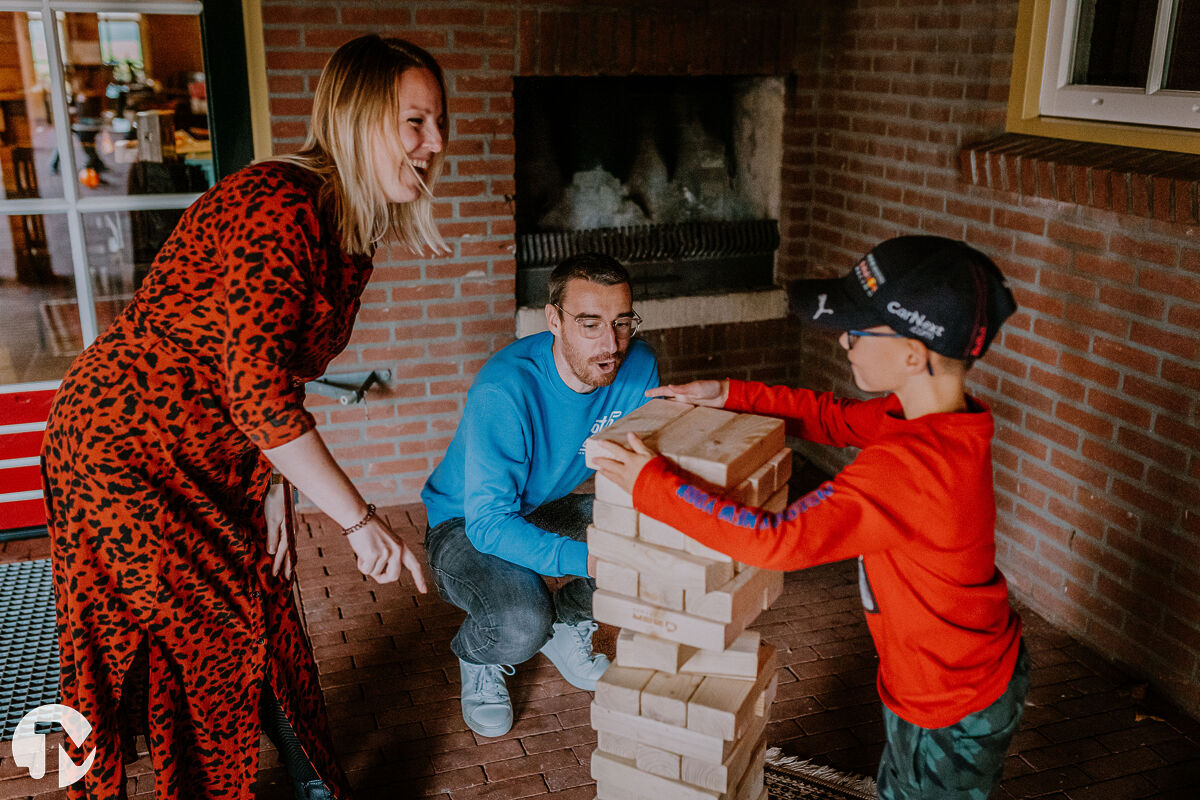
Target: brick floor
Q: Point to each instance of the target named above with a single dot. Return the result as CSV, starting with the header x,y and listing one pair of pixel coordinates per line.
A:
x,y
391,684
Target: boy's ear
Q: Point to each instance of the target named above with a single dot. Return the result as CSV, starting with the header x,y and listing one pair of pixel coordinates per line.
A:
x,y
916,356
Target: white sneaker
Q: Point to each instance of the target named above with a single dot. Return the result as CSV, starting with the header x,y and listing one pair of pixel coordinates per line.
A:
x,y
570,649
486,707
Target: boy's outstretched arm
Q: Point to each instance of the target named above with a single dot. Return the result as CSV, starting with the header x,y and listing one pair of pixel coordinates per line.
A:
x,y
801,409
698,393
842,518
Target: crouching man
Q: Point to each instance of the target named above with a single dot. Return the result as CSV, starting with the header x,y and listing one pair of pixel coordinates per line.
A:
x,y
501,510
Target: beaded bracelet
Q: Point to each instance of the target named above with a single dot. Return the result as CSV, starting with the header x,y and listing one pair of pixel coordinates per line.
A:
x,y
362,523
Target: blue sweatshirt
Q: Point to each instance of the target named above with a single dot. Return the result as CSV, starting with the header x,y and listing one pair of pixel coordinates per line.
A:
x,y
520,444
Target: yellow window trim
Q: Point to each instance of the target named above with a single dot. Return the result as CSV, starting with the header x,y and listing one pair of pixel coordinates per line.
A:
x,y
256,68
1026,85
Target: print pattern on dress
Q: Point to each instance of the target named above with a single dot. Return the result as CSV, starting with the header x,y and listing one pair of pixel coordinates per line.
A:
x,y
155,487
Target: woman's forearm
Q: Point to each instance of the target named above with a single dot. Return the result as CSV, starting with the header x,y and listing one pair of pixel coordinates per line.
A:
x,y
307,463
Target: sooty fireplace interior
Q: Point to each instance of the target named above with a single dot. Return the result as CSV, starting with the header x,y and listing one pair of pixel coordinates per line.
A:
x,y
677,178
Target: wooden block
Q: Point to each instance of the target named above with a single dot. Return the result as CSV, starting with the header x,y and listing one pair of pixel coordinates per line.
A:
x,y
725,706
778,502
617,578
750,588
739,660
640,650
665,697
689,430
690,545
643,421
652,531
752,786
735,450
611,493
763,703
623,746
764,481
659,734
783,467
665,624
756,488
603,792
620,777
657,762
673,567
615,519
725,777
643,651
620,688
652,589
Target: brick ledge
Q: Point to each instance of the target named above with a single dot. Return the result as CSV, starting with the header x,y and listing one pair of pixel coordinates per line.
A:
x,y
686,311
1146,183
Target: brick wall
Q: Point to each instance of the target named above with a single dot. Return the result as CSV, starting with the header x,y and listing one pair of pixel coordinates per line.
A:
x,y
764,351
1093,382
434,321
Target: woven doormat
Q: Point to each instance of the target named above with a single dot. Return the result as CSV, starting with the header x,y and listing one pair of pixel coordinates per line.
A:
x,y
789,777
28,645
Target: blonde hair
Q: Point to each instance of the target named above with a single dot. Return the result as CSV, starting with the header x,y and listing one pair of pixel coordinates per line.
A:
x,y
356,96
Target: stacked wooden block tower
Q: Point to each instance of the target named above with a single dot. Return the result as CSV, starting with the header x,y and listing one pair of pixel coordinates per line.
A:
x,y
681,714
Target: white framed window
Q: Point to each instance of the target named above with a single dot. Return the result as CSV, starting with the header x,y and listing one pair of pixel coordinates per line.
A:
x,y
85,201
1123,61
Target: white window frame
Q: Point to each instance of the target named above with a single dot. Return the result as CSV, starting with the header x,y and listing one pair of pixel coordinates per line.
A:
x,y
74,206
1152,105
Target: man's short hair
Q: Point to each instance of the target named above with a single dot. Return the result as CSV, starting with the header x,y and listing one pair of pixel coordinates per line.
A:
x,y
594,267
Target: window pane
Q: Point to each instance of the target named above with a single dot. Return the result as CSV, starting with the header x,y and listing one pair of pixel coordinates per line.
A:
x,y
1183,67
121,246
27,135
39,329
139,113
1113,42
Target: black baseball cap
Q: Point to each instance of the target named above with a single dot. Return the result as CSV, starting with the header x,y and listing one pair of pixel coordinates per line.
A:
x,y
939,291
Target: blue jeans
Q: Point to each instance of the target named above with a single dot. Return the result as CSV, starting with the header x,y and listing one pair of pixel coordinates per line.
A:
x,y
510,610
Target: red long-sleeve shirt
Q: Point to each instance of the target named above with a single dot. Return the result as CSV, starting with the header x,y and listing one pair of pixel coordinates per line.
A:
x,y
916,506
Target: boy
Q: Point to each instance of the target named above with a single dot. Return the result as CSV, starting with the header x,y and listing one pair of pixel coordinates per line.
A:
x,y
916,507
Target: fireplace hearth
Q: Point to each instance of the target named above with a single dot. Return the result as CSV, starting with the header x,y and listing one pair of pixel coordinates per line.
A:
x,y
677,178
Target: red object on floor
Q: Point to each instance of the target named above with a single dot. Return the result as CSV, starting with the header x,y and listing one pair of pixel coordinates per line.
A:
x,y
24,409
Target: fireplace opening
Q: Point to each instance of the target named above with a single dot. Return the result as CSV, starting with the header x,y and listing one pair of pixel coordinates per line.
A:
x,y
677,178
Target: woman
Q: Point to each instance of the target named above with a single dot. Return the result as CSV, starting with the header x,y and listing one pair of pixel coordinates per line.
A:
x,y
161,442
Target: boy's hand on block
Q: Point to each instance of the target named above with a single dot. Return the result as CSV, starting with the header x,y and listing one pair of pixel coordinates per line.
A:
x,y
698,393
622,465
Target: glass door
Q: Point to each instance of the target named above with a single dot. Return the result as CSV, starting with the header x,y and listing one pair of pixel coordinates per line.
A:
x,y
108,131
105,138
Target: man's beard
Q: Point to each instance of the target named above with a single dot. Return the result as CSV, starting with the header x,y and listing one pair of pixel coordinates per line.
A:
x,y
584,368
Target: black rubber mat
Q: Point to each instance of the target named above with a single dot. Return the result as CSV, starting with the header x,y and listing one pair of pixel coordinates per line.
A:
x,y
28,646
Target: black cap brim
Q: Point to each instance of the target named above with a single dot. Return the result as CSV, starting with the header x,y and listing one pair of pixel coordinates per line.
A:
x,y
826,303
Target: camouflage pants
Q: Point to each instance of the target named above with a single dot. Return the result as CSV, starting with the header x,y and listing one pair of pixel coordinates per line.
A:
x,y
962,761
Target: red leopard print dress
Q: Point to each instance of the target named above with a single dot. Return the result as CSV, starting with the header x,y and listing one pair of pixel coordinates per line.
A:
x,y
155,488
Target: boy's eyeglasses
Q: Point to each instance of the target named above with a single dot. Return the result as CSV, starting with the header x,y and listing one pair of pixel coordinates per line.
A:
x,y
853,336
593,327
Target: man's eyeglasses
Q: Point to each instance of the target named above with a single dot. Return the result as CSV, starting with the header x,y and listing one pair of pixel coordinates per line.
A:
x,y
593,327
853,336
